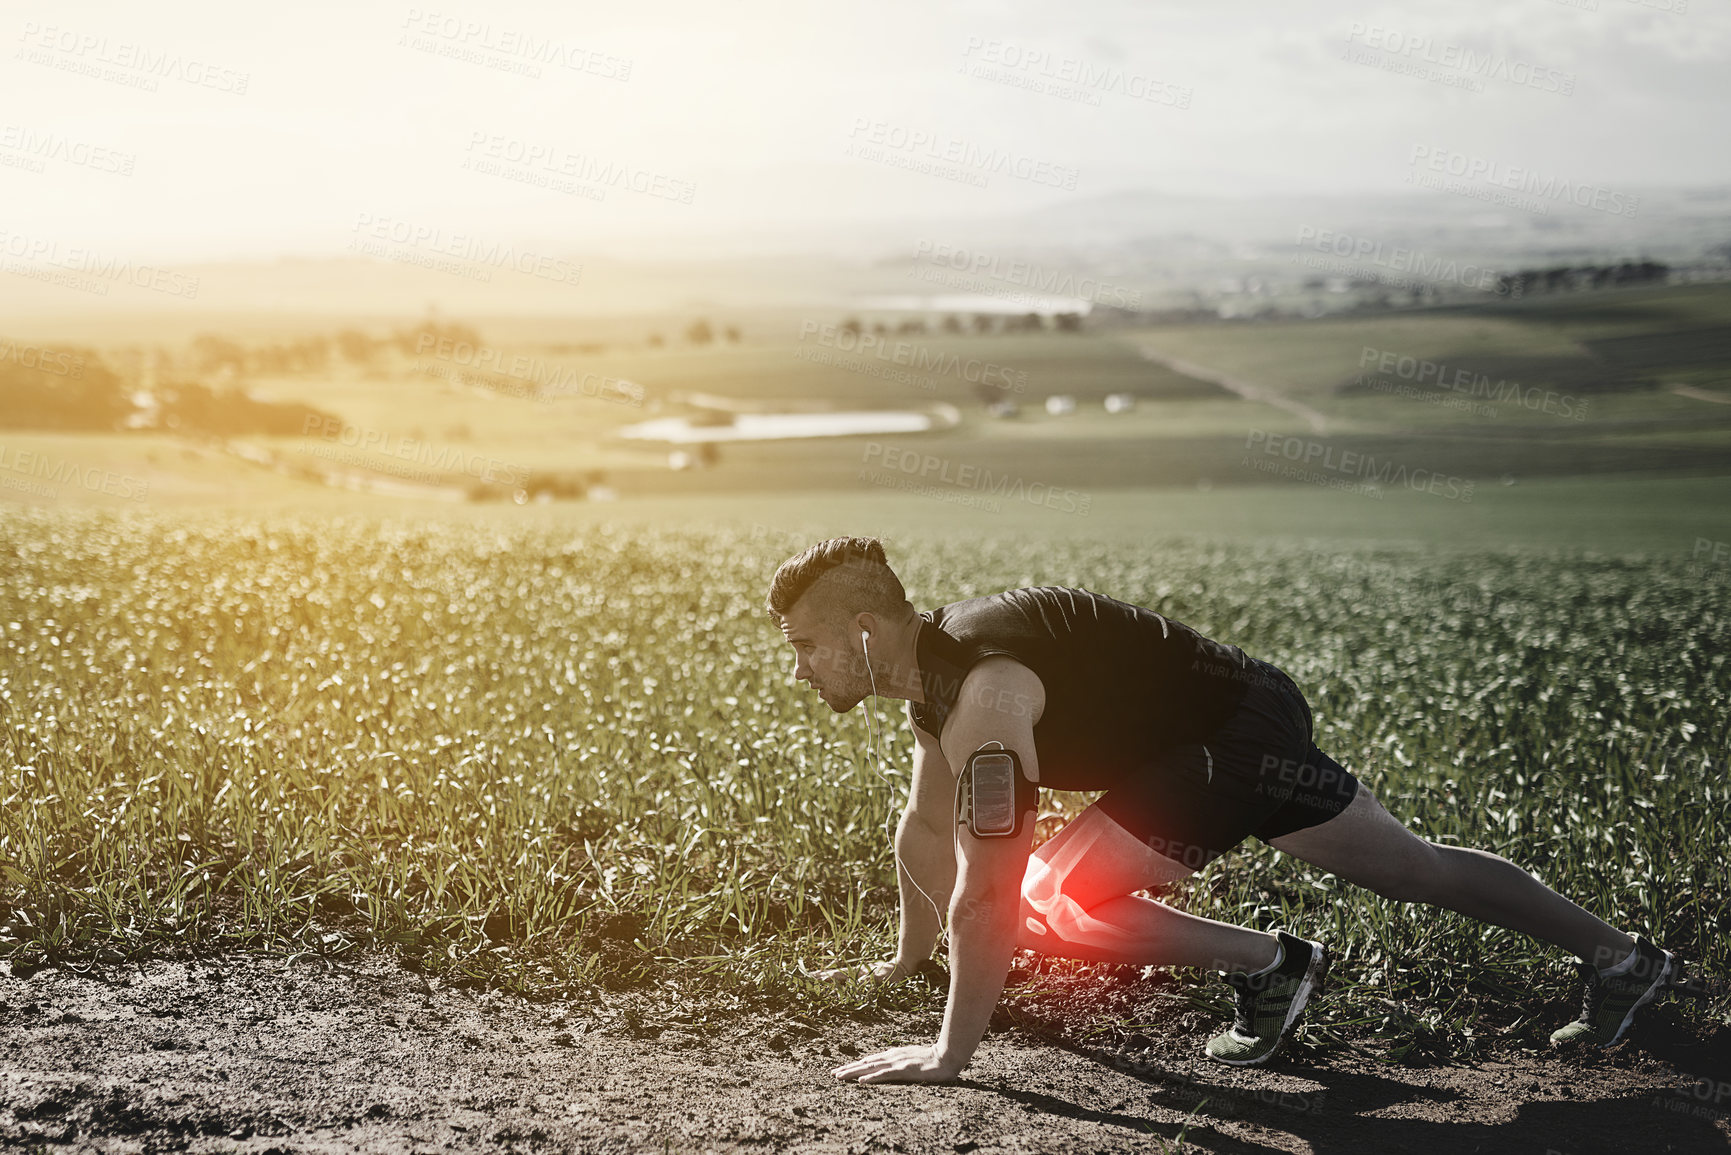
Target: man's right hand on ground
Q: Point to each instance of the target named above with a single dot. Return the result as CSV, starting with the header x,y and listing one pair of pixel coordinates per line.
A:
x,y
887,971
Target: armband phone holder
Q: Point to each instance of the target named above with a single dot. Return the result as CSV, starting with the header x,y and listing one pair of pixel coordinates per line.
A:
x,y
992,793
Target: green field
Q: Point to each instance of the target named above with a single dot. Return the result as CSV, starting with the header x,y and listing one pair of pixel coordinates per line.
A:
x,y
1541,392
565,753
1632,383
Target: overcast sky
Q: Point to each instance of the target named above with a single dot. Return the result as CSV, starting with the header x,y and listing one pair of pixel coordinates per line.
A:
x,y
241,130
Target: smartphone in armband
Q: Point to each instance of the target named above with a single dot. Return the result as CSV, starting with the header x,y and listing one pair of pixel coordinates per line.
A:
x,y
992,792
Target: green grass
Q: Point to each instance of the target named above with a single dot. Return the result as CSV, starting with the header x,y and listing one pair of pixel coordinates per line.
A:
x,y
565,754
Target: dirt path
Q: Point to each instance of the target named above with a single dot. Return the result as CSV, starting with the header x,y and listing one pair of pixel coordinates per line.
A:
x,y
253,1055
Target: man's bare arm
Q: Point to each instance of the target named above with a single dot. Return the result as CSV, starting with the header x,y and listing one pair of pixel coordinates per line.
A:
x,y
987,902
1000,701
925,846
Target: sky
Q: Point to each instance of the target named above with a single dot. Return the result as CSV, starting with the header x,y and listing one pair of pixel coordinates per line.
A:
x,y
221,131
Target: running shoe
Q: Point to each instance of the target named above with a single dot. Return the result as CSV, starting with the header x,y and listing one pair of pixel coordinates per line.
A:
x,y
1609,1002
1269,1002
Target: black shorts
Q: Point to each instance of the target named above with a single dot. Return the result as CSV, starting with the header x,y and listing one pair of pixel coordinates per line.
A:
x,y
1259,774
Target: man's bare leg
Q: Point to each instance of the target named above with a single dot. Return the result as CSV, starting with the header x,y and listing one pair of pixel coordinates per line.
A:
x,y
1367,846
1077,903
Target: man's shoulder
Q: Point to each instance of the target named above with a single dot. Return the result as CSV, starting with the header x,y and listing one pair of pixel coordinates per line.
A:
x,y
996,683
1003,684
1065,602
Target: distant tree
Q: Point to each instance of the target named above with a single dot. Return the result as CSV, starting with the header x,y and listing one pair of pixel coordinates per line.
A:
x,y
356,347
1033,322
656,341
271,360
310,355
539,485
1068,322
1644,272
952,324
914,327
190,407
60,389
852,325
429,335
732,335
983,322
880,328
700,333
1574,278
211,354
315,352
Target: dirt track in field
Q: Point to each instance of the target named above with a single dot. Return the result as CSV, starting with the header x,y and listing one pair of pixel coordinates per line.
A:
x,y
256,1055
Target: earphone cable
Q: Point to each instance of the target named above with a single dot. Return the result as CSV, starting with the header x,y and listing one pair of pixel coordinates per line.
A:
x,y
874,734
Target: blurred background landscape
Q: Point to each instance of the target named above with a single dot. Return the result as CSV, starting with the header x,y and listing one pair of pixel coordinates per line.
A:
x,y
1343,268
982,376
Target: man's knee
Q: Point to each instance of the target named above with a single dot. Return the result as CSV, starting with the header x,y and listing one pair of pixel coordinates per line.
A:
x,y
1048,913
1419,876
1032,933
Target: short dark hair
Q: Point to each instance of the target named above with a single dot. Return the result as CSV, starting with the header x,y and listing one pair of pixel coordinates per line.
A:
x,y
859,580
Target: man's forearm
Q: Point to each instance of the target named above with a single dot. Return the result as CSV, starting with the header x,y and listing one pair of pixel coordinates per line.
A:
x,y
982,942
927,859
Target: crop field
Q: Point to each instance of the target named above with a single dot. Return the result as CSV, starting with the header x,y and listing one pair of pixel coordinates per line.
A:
x,y
572,759
1594,343
1633,384
1579,385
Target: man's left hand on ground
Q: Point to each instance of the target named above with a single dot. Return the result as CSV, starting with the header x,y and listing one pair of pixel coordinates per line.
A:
x,y
900,1065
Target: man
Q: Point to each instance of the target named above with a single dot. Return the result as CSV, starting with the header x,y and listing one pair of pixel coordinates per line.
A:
x,y
1196,745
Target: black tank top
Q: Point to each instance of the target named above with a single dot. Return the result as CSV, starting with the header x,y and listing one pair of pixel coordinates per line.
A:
x,y
1122,682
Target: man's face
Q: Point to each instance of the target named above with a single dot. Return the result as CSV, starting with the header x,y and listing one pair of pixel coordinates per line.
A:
x,y
824,657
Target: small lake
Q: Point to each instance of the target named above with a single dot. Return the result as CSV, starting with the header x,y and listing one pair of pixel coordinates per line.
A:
x,y
782,426
1015,304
